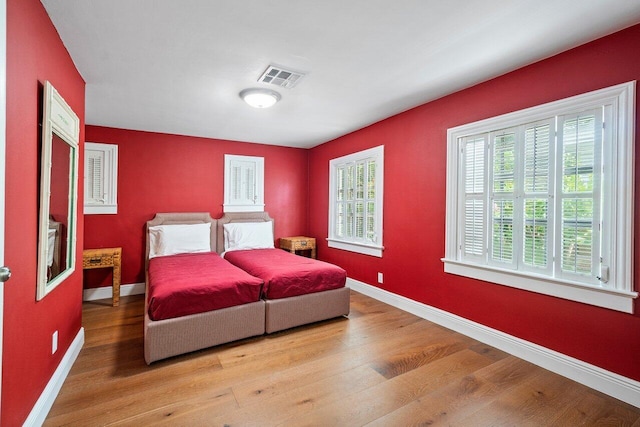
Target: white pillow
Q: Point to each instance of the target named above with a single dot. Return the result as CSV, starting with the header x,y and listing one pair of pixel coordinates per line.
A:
x,y
248,235
179,238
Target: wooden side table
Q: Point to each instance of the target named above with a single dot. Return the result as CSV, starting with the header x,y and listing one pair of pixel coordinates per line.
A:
x,y
299,243
105,258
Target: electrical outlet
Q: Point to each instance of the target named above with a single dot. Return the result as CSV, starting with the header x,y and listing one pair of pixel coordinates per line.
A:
x,y
54,342
380,278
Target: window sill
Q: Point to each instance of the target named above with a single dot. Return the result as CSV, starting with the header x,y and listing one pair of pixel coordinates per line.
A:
x,y
100,209
243,208
607,298
360,248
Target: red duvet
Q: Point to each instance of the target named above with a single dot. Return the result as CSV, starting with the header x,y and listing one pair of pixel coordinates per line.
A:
x,y
286,274
185,284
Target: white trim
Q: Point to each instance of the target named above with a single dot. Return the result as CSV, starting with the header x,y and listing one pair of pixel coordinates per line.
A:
x,y
625,200
243,208
356,247
3,141
592,295
105,292
610,383
41,409
94,210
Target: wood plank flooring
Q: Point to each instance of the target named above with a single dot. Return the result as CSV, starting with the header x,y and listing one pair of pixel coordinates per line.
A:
x,y
380,367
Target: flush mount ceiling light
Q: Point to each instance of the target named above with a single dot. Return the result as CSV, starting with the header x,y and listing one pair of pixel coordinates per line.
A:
x,y
260,98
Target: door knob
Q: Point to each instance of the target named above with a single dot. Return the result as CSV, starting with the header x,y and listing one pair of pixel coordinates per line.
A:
x,y
5,274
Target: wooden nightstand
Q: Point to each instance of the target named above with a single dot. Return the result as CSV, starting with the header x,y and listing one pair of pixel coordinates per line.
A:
x,y
299,243
105,258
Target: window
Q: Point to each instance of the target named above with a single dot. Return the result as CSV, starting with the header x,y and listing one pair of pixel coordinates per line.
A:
x,y
243,183
100,178
542,199
355,202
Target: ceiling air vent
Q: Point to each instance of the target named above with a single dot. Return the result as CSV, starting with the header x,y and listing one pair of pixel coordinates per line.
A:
x,y
280,77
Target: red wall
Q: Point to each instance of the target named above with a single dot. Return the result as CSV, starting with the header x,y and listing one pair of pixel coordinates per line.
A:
x,y
414,208
35,53
170,173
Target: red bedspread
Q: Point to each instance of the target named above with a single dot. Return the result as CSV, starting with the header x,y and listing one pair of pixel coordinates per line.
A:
x,y
185,284
286,274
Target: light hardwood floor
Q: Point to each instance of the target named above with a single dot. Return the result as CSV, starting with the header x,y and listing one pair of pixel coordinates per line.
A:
x,y
380,367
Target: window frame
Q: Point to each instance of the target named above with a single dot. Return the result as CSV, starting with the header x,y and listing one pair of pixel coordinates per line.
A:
x,y
256,165
374,247
109,178
618,294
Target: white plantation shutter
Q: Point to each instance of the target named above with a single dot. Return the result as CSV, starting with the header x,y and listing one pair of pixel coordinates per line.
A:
x,y
355,200
340,225
95,177
371,202
473,217
360,180
473,243
504,162
349,216
242,182
250,186
501,243
580,139
360,200
521,177
236,183
537,170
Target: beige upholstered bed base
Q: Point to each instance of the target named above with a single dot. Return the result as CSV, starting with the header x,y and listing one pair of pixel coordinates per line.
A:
x,y
290,312
171,337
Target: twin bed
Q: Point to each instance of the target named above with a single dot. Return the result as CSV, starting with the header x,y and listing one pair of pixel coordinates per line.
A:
x,y
196,299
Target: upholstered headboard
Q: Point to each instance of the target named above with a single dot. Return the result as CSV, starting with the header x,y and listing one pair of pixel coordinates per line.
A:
x,y
182,218
239,217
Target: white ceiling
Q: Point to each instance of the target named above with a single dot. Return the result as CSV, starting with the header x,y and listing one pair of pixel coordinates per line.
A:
x,y
178,66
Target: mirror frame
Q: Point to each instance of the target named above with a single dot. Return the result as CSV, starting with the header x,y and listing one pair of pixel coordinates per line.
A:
x,y
57,118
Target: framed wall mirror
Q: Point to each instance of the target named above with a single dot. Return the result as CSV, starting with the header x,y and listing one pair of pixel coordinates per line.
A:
x,y
58,192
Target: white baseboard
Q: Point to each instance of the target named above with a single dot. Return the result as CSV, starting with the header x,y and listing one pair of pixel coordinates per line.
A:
x,y
45,402
615,385
107,292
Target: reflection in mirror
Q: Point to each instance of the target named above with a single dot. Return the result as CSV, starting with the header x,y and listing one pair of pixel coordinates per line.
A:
x,y
58,192
58,206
